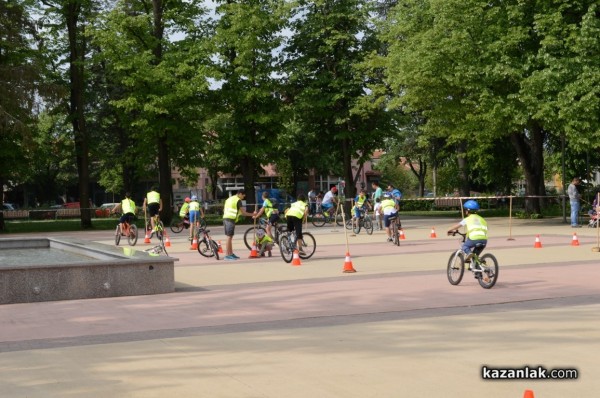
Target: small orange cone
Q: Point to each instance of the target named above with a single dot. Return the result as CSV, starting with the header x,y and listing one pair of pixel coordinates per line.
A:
x,y
296,258
253,252
432,234
402,237
575,241
220,248
528,394
147,238
167,240
538,243
194,245
348,268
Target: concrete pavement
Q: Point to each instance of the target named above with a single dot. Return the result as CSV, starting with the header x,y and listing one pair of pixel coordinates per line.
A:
x,y
263,328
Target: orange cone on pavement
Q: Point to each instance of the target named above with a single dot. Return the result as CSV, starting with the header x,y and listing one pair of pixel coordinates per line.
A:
x,y
348,268
220,248
538,243
575,240
528,394
432,234
147,237
194,245
296,258
253,252
167,240
402,234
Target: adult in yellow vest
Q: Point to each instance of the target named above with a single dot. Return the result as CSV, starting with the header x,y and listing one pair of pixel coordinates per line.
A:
x,y
232,210
295,215
476,228
154,204
127,208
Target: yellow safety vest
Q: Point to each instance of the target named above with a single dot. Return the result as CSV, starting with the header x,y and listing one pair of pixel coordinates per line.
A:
x,y
386,203
128,206
476,227
194,206
297,209
360,201
153,197
184,209
230,210
268,207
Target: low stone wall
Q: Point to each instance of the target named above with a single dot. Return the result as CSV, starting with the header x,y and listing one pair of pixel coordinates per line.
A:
x,y
111,272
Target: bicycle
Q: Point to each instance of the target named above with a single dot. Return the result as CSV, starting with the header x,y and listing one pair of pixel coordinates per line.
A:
x,y
395,225
132,233
321,217
207,247
178,225
159,230
485,268
250,233
364,221
287,245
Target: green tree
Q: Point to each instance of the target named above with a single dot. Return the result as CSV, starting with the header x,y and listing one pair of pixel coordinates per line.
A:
x,y
247,115
480,72
162,84
325,85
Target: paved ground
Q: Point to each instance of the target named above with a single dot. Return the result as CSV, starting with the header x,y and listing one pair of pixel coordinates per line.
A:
x,y
263,328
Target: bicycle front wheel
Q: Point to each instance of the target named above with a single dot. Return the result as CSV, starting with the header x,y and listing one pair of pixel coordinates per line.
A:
x,y
356,226
118,235
339,220
286,250
489,274
318,220
309,245
205,248
250,236
133,235
368,224
456,268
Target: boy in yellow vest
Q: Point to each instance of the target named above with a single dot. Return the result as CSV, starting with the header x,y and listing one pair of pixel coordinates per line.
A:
x,y
263,243
476,228
232,210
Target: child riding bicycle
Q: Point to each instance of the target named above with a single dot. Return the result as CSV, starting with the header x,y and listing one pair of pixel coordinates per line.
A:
x,y
476,229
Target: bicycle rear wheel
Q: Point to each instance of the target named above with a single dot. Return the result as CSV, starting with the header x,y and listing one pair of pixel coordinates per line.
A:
x,y
456,268
489,265
395,234
133,235
309,245
286,250
118,234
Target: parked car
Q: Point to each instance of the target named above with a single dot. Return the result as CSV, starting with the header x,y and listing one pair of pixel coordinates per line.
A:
x,y
8,206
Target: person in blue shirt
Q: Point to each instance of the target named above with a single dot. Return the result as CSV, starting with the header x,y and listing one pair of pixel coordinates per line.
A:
x,y
395,193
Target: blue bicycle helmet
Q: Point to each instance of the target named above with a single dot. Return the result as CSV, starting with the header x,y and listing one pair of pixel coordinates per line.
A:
x,y
471,205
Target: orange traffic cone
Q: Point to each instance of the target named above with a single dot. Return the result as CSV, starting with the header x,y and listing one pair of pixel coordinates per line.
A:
x,y
528,394
147,237
575,240
194,245
402,234
253,252
538,243
348,268
220,248
167,240
432,234
296,258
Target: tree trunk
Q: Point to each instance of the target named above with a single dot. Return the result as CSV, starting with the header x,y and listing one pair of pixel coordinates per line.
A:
x,y
164,180
249,177
77,107
350,188
530,150
463,172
